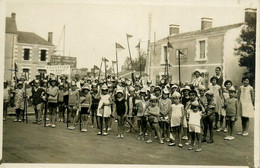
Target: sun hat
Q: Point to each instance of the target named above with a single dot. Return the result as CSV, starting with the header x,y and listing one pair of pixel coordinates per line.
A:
x,y
176,94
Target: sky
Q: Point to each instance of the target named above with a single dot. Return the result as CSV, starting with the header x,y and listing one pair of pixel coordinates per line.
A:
x,y
93,28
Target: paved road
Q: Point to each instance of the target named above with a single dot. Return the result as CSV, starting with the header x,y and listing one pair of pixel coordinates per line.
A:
x,y
28,143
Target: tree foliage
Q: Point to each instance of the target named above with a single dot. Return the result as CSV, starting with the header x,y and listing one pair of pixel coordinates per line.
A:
x,y
246,48
136,63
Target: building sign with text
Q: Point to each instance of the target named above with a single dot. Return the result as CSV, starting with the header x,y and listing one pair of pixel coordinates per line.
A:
x,y
63,60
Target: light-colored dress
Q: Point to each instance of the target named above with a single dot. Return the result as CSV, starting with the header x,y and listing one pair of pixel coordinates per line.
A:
x,y
104,109
194,122
197,82
246,107
176,115
217,100
19,99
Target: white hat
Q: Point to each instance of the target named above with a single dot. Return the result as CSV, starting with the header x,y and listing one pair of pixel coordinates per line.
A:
x,y
196,70
86,87
176,94
143,90
195,103
104,87
232,89
174,86
166,91
119,91
202,87
185,88
209,92
153,97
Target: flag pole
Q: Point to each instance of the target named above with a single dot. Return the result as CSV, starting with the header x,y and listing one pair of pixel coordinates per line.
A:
x,y
130,58
140,59
179,62
116,63
105,60
100,69
167,71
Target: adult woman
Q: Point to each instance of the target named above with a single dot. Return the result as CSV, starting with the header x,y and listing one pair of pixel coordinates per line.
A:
x,y
198,80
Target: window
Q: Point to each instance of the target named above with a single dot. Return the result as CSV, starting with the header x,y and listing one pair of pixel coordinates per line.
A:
x,y
42,73
26,54
43,55
202,49
26,72
163,53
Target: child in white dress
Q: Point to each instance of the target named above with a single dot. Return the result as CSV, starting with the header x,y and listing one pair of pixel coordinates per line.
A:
x,y
246,104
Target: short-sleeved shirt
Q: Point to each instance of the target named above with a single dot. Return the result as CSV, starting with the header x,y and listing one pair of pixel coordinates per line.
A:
x,y
232,107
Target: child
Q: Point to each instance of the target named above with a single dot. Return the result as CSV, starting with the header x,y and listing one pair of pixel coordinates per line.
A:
x,y
120,108
36,96
246,104
216,89
61,102
194,125
19,101
141,119
176,118
165,109
231,112
185,98
153,112
52,92
86,101
131,107
7,92
94,105
73,104
207,118
104,108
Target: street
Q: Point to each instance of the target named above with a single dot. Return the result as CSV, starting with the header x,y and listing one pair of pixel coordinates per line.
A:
x,y
29,143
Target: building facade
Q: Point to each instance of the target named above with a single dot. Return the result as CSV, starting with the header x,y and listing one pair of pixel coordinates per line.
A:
x,y
25,52
204,49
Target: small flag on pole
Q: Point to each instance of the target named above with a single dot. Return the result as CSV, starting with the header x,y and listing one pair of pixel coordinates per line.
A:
x,y
104,59
169,45
96,67
138,45
128,35
118,46
181,53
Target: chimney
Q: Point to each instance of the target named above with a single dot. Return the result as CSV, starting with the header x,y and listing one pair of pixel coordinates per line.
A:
x,y
174,29
250,15
13,15
50,37
206,23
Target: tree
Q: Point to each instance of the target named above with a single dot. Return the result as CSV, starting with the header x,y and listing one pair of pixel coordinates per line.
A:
x,y
246,49
136,63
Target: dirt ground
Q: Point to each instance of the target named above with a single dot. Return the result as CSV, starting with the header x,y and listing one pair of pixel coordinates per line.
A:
x,y
29,143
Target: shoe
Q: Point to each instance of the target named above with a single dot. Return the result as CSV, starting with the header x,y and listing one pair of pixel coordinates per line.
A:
x,y
115,121
61,120
220,129
128,131
227,138
122,136
171,144
53,126
180,145
185,138
161,141
210,141
240,133
187,143
167,139
20,120
92,126
72,127
34,122
109,129
38,123
149,141
155,137
141,134
84,130
198,150
99,133
105,133
47,119
190,148
118,136
146,134
245,134
225,130
231,138
203,140
15,120
48,125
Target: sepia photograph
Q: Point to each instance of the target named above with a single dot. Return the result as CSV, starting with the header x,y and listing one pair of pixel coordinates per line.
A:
x,y
129,83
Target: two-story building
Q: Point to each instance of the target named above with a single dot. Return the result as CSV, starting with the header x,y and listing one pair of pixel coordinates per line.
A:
x,y
203,49
25,52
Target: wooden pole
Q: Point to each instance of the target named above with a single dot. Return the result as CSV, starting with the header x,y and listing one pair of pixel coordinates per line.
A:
x,y
116,64
100,69
179,62
130,59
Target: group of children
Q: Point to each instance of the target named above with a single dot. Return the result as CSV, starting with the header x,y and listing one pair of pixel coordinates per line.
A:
x,y
166,112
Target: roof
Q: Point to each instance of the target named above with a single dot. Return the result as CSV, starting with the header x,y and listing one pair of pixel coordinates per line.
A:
x,y
10,26
203,32
32,38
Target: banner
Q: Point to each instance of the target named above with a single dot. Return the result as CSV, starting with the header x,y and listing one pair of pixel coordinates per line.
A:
x,y
58,69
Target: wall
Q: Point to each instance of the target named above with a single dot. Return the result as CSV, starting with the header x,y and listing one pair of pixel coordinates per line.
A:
x,y
34,63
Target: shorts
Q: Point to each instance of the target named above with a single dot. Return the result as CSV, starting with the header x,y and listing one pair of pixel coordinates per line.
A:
x,y
194,128
52,105
175,129
84,110
230,118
